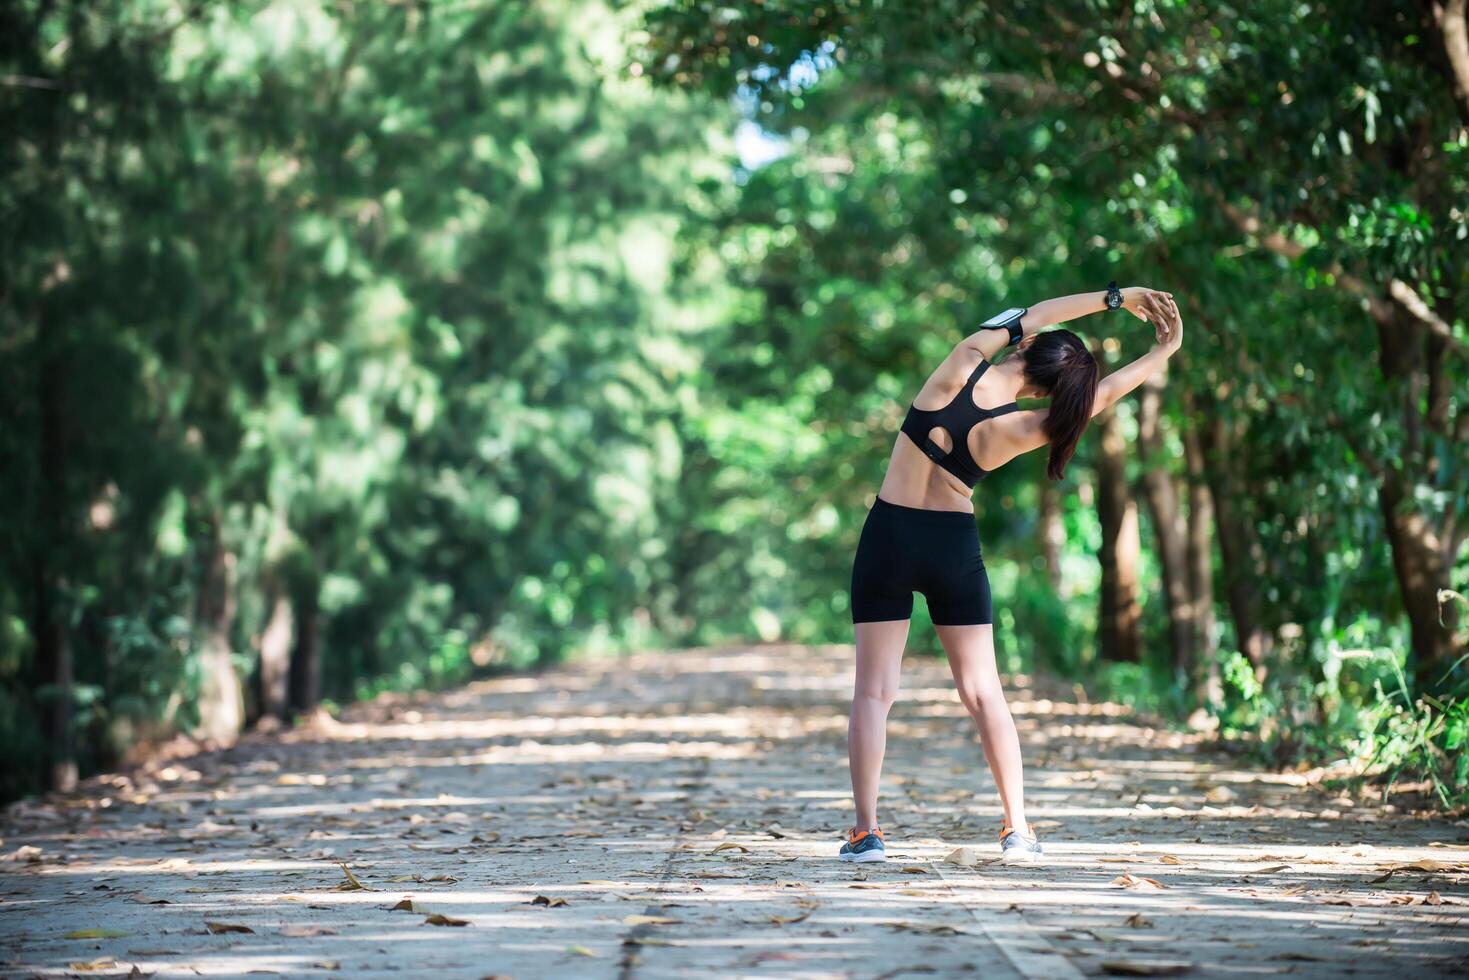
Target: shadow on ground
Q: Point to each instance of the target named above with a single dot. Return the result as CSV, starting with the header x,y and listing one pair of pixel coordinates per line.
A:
x,y
678,814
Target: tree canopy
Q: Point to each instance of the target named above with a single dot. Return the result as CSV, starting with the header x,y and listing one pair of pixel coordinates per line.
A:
x,y
366,346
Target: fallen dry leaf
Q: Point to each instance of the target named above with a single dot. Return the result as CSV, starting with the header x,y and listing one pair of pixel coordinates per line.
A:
x,y
579,951
351,884
443,920
1221,794
1433,866
1137,921
95,934
420,879
217,928
1138,883
936,929
306,932
142,899
550,903
965,857
785,920
1147,968
1169,859
648,920
409,905
730,845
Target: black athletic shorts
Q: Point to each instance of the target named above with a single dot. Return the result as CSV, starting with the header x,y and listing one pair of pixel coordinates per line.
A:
x,y
905,550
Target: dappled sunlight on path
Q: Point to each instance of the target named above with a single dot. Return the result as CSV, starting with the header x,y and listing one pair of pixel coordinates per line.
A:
x,y
677,814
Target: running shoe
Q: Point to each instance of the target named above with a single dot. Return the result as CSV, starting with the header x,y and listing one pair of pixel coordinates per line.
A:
x,y
1016,848
864,847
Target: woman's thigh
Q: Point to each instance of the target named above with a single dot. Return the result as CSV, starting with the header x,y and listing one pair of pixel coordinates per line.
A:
x,y
971,653
880,657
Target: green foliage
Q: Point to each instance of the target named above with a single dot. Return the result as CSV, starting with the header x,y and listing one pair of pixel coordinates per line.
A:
x,y
456,329
381,308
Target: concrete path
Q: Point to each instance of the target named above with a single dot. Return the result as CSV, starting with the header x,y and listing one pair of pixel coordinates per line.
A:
x,y
678,815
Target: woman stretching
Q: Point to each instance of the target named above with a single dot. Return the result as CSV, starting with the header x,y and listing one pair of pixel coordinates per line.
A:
x,y
920,534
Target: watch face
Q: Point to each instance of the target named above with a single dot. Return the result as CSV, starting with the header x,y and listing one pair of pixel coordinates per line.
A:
x,y
1114,300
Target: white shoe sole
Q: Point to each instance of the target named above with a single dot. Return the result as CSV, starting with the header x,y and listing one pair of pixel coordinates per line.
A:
x,y
866,857
1021,857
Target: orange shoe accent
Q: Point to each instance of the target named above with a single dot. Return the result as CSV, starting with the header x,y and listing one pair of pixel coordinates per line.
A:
x,y
1004,830
853,837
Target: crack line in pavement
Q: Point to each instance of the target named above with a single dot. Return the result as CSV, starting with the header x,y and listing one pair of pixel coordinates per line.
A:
x,y
633,941
1029,952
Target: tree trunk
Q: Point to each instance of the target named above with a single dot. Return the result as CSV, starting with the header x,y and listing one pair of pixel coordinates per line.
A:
x,y
1161,495
1120,545
221,696
1239,552
1418,555
1053,533
1417,562
1208,689
275,659
52,669
53,679
306,658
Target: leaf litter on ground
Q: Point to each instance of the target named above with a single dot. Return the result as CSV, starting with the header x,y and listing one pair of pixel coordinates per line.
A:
x,y
438,919
351,884
1137,882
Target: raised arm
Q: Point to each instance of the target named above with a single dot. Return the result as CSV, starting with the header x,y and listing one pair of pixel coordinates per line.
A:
x,y
1168,328
1141,301
1020,432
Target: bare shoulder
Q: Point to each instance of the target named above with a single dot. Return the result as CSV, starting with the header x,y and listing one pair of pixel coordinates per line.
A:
x,y
948,377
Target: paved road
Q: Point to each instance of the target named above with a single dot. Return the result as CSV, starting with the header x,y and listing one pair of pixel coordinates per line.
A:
x,y
677,816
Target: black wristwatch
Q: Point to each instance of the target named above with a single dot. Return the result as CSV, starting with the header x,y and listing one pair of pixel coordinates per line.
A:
x,y
1114,296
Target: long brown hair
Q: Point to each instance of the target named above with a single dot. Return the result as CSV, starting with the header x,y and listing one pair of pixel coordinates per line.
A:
x,y
1058,363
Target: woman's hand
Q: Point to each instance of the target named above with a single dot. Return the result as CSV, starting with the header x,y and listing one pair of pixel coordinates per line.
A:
x,y
1169,329
1147,304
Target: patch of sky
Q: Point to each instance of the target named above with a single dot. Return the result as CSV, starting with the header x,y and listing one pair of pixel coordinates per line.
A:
x,y
755,145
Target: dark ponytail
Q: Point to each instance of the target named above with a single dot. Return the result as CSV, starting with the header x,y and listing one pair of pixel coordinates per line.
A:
x,y
1058,363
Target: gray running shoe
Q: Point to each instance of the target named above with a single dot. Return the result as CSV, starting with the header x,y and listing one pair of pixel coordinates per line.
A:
x,y
1018,849
863,848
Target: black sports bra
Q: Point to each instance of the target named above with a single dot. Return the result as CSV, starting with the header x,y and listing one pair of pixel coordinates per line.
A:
x,y
955,418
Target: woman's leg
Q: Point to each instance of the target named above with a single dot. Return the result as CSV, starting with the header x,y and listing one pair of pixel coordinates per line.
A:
x,y
971,651
879,662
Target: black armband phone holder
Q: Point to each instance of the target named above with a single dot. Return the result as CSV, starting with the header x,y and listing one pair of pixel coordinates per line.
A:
x,y
1008,321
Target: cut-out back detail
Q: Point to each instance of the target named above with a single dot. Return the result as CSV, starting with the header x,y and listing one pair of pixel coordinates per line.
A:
x,y
956,418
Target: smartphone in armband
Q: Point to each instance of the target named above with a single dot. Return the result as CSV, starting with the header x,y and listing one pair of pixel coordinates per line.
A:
x,y
1008,321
